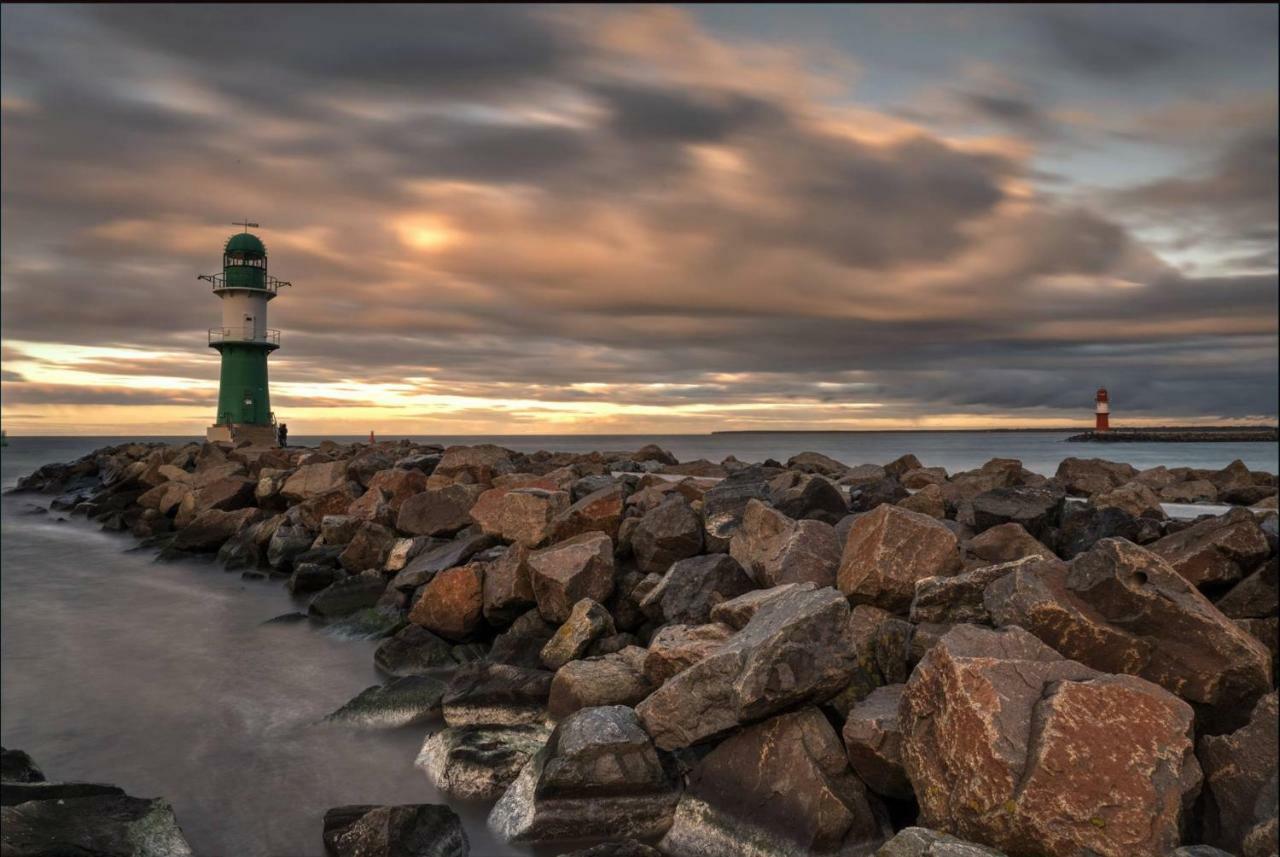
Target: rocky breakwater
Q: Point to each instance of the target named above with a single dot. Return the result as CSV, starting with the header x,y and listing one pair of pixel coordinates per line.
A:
x,y
773,658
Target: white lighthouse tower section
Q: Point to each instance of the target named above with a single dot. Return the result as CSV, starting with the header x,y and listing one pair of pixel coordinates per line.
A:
x,y
244,314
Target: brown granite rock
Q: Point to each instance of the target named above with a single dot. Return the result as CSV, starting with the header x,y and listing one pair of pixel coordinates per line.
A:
x,y
452,603
210,529
1003,543
888,550
692,587
1135,498
565,573
587,621
1216,550
775,549
311,480
1008,744
398,485
780,787
613,679
1240,782
960,598
816,462
1120,608
675,648
478,464
873,740
669,532
1084,477
508,586
597,512
369,548
927,501
1191,491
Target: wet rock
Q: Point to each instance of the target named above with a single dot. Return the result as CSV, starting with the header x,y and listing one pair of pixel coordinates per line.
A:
x,y
479,762
312,480
807,497
690,589
792,650
412,830
775,549
1120,608
210,529
565,573
927,501
1255,597
483,693
397,485
287,542
1240,780
923,842
369,548
12,794
675,648
508,589
402,702
452,603
597,512
1105,768
873,741
1084,477
1037,509
414,651
960,598
724,504
1133,497
17,767
613,679
672,531
780,787
346,596
588,621
521,644
439,512
101,825
311,577
888,550
1216,550
598,775
872,495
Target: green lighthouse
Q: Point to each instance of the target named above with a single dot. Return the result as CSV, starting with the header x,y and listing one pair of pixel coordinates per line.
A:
x,y
244,341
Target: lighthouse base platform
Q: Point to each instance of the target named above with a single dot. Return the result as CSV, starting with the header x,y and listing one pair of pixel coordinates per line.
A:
x,y
261,437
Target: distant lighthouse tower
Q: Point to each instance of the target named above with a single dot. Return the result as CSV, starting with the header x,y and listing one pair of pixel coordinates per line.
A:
x,y
244,341
1102,411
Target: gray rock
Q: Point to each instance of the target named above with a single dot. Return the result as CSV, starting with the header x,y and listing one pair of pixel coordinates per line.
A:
x,y
599,775
774,549
438,512
617,678
724,504
414,651
587,622
1038,510
669,532
690,589
347,596
401,702
793,649
479,762
432,561
521,644
102,825
17,767
1241,783
413,830
959,598
488,694
873,740
1255,597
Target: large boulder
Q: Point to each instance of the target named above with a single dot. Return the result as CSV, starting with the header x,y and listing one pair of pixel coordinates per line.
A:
x,y
412,830
807,497
1007,743
775,549
1084,477
523,515
414,651
368,548
1255,597
479,464
873,740
1191,491
780,787
452,603
210,529
564,573
927,501
816,462
692,587
598,776
346,596
669,532
1003,543
882,644
401,702
479,762
1240,784
1216,550
439,512
1084,525
587,621
1121,609
888,550
1133,497
793,649
100,821
490,694
960,598
436,558
614,679
1038,509
508,588
597,512
312,480
675,648
724,504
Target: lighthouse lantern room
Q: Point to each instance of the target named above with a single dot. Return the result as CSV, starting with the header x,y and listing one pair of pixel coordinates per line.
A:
x,y
1102,411
244,340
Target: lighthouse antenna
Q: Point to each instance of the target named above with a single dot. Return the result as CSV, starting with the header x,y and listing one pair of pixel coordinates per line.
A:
x,y
246,224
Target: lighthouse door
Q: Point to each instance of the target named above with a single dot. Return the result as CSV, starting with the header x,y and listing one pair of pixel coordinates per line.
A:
x,y
248,327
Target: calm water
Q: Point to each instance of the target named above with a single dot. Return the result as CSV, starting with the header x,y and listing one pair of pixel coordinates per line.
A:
x,y
163,679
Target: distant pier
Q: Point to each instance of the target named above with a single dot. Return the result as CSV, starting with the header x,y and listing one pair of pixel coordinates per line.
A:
x,y
1236,434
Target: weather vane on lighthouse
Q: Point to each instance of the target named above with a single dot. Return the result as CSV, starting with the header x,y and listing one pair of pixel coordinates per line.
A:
x,y
244,341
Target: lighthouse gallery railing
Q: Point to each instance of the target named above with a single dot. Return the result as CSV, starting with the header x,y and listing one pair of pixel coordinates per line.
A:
x,y
242,334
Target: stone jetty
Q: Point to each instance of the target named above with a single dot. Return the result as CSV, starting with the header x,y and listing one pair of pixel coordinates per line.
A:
x,y
630,655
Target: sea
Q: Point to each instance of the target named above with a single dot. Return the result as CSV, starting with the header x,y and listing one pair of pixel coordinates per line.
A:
x,y
168,680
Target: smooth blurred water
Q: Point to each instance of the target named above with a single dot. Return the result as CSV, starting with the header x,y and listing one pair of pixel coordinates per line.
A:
x,y
161,678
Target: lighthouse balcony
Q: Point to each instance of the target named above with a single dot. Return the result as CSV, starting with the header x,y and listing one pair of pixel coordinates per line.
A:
x,y
256,283
269,337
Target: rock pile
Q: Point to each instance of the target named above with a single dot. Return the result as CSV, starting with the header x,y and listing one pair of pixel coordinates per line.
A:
x,y
764,659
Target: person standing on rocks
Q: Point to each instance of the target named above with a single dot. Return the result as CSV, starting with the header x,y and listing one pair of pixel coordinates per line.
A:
x,y
282,434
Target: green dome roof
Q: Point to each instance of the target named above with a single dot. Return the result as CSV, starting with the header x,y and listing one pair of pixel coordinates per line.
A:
x,y
247,243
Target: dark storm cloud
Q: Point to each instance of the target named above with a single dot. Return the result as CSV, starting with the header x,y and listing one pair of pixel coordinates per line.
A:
x,y
610,217
1111,45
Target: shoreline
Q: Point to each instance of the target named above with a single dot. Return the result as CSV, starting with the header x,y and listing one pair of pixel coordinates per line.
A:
x,y
515,592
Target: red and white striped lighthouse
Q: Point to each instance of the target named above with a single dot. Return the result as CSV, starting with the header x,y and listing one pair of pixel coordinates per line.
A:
x,y
1102,411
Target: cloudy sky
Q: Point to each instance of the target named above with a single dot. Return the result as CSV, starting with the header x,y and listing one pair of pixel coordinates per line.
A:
x,y
644,219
